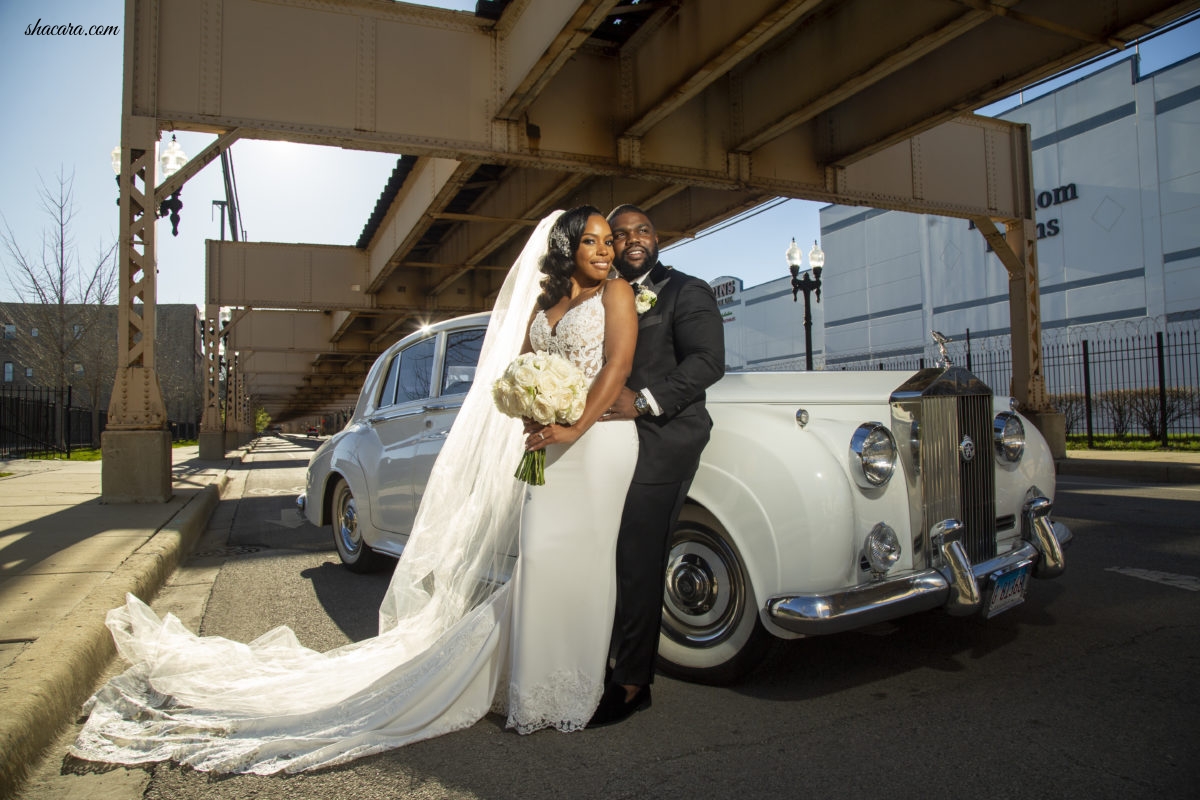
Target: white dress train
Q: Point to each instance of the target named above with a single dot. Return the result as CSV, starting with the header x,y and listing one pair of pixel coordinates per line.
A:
x,y
535,649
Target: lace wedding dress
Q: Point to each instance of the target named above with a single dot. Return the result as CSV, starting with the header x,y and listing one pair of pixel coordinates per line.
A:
x,y
565,585
451,644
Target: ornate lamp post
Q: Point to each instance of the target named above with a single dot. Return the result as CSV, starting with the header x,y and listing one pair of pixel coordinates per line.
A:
x,y
169,162
806,284
116,165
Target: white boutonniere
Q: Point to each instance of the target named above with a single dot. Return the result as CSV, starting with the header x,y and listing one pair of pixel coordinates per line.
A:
x,y
643,299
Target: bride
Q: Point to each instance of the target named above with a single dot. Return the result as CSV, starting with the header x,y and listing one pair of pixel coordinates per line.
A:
x,y
452,643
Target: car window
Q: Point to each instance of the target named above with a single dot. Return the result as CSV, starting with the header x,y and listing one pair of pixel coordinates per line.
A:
x,y
462,354
416,371
387,396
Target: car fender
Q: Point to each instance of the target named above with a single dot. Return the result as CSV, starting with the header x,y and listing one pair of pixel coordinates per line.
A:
x,y
781,495
345,466
1036,468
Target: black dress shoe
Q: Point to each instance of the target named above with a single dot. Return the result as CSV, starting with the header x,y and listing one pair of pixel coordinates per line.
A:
x,y
613,708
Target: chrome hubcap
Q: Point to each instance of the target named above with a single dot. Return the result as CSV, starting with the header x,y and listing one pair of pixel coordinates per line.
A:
x,y
691,584
348,522
705,594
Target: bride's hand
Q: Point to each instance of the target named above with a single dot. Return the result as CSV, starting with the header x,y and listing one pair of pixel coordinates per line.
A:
x,y
551,434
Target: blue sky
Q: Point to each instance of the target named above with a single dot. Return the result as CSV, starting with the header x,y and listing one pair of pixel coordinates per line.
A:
x,y
63,98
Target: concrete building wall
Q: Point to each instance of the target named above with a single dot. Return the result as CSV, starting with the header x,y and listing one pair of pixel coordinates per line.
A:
x,y
178,350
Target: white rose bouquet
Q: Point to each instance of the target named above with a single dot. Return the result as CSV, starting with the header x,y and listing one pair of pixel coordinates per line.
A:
x,y
546,388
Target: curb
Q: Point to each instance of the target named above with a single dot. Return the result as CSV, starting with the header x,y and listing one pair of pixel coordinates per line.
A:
x,y
47,684
1140,471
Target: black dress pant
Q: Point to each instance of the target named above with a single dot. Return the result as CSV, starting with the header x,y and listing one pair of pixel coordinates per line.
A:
x,y
651,510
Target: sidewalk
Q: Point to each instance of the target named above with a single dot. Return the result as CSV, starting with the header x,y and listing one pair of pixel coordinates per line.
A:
x,y
65,560
1145,466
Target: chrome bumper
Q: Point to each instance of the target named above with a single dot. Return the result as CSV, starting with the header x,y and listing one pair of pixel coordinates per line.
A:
x,y
955,584
300,504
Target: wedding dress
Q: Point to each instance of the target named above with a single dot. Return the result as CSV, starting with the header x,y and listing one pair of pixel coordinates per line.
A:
x,y
452,644
565,584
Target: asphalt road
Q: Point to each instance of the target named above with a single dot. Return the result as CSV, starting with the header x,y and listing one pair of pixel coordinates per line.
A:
x,y
1088,690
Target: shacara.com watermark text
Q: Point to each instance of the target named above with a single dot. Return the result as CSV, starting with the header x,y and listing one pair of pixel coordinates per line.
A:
x,y
39,29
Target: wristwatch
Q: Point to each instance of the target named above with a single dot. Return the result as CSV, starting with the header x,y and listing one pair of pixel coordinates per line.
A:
x,y
641,405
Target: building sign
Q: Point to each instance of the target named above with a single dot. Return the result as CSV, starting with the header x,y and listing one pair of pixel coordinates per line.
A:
x,y
726,290
1045,199
728,293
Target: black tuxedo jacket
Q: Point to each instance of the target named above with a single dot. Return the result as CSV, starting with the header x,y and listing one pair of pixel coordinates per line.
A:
x,y
680,353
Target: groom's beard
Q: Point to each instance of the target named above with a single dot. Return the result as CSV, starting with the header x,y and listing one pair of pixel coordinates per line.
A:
x,y
629,271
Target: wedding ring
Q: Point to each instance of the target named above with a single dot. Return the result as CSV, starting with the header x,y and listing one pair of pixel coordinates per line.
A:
x,y
543,435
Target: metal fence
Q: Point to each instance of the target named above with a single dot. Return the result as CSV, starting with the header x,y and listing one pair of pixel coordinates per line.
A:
x,y
1127,379
36,421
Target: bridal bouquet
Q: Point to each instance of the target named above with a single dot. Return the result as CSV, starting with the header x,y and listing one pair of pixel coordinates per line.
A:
x,y
546,388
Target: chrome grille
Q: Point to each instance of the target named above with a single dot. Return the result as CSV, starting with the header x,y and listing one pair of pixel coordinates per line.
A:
x,y
941,483
944,406
977,478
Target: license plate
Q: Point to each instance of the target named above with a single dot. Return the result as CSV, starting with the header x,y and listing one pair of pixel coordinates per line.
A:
x,y
1007,589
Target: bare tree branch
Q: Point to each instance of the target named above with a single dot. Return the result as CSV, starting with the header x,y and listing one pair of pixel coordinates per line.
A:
x,y
59,322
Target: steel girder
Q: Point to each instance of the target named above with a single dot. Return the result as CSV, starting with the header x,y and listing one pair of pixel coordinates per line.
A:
x,y
705,109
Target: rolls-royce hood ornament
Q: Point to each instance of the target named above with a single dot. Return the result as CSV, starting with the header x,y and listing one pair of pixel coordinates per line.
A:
x,y
942,340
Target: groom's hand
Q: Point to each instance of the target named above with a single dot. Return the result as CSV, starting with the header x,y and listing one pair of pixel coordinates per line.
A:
x,y
622,407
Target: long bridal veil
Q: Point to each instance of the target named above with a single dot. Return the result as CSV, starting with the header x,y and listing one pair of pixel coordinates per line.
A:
x,y
273,704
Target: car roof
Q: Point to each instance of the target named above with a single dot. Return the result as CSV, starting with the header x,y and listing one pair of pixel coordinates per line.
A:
x,y
479,319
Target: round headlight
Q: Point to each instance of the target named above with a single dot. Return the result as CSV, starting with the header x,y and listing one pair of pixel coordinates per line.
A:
x,y
872,455
882,548
1008,432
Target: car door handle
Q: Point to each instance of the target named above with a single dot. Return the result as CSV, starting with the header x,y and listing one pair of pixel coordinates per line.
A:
x,y
379,419
442,406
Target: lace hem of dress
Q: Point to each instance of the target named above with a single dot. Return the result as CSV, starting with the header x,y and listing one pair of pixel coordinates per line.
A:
x,y
565,701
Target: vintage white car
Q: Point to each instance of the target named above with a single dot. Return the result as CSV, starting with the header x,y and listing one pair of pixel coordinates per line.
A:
x,y
825,501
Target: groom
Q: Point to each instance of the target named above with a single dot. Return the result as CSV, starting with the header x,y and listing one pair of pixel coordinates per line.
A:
x,y
680,353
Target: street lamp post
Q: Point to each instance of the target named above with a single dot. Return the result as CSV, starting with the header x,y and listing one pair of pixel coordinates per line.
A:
x,y
169,162
806,284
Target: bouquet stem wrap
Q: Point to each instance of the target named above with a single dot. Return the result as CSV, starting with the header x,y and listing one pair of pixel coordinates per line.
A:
x,y
545,388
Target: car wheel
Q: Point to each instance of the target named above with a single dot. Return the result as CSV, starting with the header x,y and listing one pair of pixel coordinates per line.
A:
x,y
711,632
347,537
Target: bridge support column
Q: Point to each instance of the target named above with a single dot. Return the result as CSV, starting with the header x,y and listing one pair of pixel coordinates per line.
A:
x,y
136,445
1017,250
212,427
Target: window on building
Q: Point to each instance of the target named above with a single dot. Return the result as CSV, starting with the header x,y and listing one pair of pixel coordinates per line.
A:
x,y
29,372
33,332
8,371
78,329
10,331
78,368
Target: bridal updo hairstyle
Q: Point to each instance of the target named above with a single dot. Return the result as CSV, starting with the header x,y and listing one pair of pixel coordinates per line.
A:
x,y
559,262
